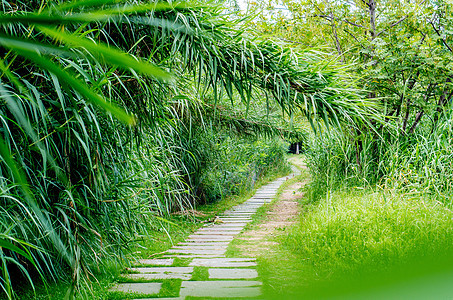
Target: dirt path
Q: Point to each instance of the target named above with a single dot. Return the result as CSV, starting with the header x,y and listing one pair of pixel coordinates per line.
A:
x,y
280,216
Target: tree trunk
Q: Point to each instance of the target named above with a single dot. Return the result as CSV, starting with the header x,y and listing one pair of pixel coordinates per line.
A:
x,y
417,120
372,7
443,99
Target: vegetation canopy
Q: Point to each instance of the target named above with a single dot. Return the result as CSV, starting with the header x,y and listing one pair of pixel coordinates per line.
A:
x,y
112,113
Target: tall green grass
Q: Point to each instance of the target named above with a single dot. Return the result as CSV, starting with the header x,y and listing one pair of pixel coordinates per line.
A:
x,y
419,163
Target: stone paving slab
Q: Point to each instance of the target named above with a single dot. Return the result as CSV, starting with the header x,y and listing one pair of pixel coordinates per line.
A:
x,y
247,208
224,227
143,288
229,289
192,241
237,214
227,228
232,214
184,273
201,247
255,211
194,256
206,237
218,232
221,228
145,276
156,262
235,220
232,273
221,232
258,200
219,244
223,224
223,262
162,269
197,251
251,205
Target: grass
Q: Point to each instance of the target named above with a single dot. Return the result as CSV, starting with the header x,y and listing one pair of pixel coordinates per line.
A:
x,y
176,229
359,244
261,215
355,244
200,274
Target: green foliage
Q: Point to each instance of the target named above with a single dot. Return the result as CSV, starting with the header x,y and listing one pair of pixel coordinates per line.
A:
x,y
78,183
360,232
417,164
236,165
402,53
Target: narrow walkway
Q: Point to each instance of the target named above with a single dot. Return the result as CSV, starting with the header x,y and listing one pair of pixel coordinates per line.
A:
x,y
206,271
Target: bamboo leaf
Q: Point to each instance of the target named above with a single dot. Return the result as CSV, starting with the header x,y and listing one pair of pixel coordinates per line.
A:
x,y
107,54
46,17
28,45
12,78
4,243
78,85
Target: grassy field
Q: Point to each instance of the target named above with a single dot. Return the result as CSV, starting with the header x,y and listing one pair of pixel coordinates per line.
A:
x,y
362,244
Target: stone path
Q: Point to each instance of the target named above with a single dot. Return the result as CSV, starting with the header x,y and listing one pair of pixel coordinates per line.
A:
x,y
204,253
